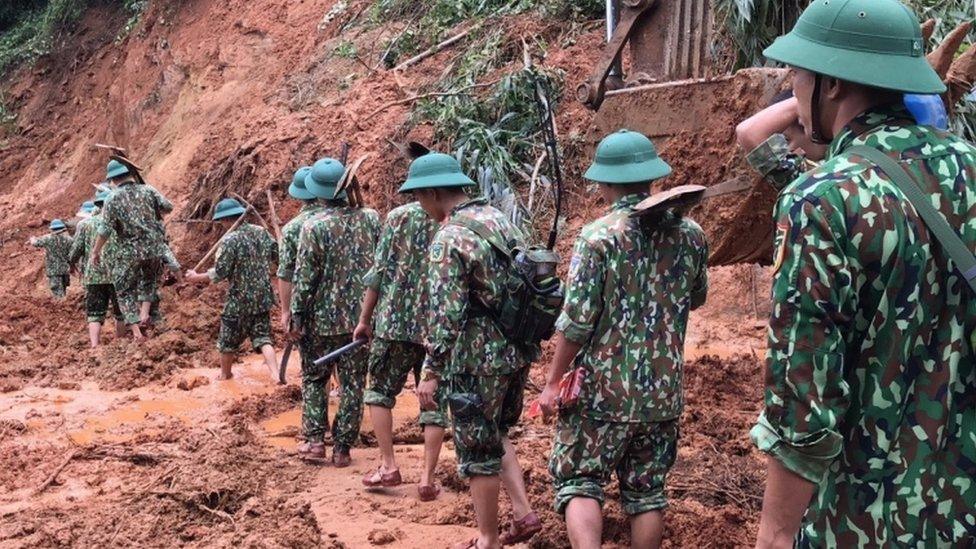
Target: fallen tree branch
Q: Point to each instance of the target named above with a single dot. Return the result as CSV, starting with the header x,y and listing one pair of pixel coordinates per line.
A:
x,y
413,98
437,47
274,215
56,472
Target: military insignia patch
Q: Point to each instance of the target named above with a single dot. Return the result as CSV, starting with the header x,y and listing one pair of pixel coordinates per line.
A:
x,y
437,252
781,251
574,264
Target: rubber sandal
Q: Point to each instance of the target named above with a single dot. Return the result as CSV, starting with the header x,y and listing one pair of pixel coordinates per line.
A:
x,y
522,529
429,492
341,458
378,479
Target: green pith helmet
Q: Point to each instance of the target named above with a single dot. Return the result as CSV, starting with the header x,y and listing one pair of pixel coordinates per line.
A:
x,y
87,206
322,178
626,157
115,169
101,196
57,225
871,42
435,170
228,207
297,188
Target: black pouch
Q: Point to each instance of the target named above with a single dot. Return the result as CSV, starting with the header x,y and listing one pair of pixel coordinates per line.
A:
x,y
465,406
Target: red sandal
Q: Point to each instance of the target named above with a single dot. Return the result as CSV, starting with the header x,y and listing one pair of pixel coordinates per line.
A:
x,y
522,529
428,492
379,478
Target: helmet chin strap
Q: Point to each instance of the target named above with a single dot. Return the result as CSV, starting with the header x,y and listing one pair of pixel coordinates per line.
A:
x,y
816,133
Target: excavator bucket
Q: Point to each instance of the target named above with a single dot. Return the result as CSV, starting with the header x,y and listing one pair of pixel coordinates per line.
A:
x,y
671,96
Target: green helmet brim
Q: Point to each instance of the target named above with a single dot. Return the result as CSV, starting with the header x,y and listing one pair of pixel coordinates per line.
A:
x,y
232,212
436,181
880,70
625,174
326,191
117,171
299,193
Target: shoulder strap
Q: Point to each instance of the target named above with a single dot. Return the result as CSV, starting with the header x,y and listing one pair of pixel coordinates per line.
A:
x,y
953,245
484,232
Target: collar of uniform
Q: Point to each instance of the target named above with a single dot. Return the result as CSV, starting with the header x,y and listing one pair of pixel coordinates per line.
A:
x,y
480,201
311,206
628,202
867,121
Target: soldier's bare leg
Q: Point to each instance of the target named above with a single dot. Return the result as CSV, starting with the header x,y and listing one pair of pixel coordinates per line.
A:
x,y
382,419
514,481
270,359
94,333
584,523
433,441
226,362
144,308
647,529
484,496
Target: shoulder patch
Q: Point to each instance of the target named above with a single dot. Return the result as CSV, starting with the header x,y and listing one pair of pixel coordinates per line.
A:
x,y
437,252
782,229
574,264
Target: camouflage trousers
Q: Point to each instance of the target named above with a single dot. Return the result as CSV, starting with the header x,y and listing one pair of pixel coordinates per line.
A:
x,y
390,362
59,284
586,451
351,370
484,408
97,299
135,281
235,329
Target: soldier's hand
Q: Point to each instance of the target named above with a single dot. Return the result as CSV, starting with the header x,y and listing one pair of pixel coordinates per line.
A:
x,y
549,400
425,394
362,331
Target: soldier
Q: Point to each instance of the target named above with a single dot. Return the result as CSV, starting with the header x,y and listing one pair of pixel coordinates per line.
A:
x,y
288,247
870,409
99,291
393,311
133,214
631,287
57,247
334,253
484,374
84,212
244,258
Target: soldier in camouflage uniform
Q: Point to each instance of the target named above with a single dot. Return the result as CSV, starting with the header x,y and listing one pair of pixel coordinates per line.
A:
x,y
290,234
334,253
133,214
484,374
870,393
244,259
57,248
631,287
393,311
99,291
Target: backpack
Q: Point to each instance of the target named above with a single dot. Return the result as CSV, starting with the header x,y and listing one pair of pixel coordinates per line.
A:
x,y
533,296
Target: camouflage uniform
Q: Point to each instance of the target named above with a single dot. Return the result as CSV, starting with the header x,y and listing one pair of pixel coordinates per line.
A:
x,y
778,165
134,214
244,258
290,234
99,291
870,370
398,274
57,249
334,253
629,295
484,373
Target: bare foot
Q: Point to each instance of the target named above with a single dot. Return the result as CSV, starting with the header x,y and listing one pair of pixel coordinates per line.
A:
x,y
224,377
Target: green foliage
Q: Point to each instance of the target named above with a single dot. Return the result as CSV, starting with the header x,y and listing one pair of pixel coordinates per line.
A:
x,y
8,118
34,29
345,50
134,8
748,26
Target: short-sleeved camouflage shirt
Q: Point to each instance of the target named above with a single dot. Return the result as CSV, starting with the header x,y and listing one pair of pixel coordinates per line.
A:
x,y
399,274
81,248
245,258
290,234
335,252
57,248
629,294
134,213
466,277
871,374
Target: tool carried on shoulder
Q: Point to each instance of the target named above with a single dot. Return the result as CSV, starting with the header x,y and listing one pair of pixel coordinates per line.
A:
x,y
687,196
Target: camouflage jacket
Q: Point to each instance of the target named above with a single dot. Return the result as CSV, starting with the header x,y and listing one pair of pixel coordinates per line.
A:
x,y
627,302
57,249
465,277
778,165
290,234
399,274
871,375
81,248
334,253
244,258
134,212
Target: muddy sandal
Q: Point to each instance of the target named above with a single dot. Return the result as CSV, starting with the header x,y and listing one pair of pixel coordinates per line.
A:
x,y
312,452
522,529
428,492
379,478
341,457
470,544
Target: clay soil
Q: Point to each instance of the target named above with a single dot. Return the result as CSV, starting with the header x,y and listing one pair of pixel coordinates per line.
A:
x,y
136,445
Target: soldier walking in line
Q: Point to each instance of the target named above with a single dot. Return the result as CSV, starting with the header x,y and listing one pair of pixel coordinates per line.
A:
x,y
57,248
334,253
245,258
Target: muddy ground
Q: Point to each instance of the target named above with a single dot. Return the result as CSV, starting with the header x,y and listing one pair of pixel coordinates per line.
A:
x,y
96,448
